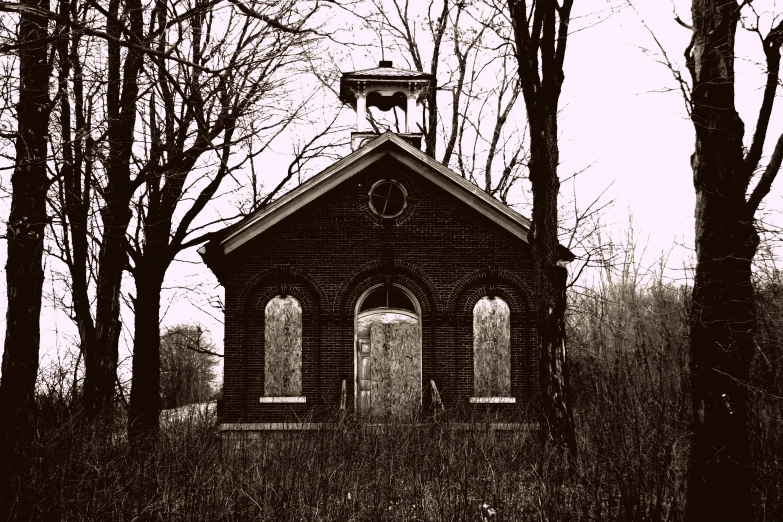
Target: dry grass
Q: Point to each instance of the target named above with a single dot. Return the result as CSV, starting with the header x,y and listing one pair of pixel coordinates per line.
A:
x,y
411,473
629,349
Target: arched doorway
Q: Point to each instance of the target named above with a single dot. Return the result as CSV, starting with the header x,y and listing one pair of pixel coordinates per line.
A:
x,y
387,352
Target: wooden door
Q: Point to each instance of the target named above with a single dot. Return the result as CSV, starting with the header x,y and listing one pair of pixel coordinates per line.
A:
x,y
364,378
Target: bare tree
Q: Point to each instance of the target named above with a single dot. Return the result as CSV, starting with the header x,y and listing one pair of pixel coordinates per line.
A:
x,y
723,316
193,125
75,203
187,364
27,221
148,146
470,43
93,168
123,20
540,34
400,28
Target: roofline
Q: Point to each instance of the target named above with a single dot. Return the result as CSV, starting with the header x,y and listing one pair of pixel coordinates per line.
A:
x,y
363,75
364,155
327,179
475,190
369,72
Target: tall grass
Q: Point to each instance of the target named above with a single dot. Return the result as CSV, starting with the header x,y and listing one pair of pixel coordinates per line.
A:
x,y
629,376
628,346
766,393
427,472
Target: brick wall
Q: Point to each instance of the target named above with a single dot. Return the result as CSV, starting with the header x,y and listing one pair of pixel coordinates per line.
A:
x,y
331,251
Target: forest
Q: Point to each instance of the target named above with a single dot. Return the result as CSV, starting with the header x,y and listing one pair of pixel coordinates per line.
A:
x,y
132,131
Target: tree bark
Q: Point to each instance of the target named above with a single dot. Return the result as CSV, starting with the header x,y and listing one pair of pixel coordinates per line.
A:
x,y
549,281
145,386
723,317
26,224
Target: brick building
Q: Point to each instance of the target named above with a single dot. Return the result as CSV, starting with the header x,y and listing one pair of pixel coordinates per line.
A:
x,y
386,285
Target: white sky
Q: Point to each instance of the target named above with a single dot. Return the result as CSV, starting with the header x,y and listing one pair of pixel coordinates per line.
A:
x,y
638,141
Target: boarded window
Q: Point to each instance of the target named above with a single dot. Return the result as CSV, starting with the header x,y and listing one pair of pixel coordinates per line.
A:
x,y
283,348
491,348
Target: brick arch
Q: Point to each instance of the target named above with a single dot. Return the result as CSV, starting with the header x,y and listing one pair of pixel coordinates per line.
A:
x,y
517,295
284,279
486,278
258,300
378,271
473,294
258,291
410,284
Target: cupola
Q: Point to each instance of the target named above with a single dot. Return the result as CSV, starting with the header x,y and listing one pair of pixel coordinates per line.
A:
x,y
385,87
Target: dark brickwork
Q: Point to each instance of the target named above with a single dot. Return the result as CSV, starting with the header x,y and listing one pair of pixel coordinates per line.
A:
x,y
331,251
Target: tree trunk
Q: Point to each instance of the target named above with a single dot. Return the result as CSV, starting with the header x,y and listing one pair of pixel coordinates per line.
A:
x,y
26,224
76,179
121,98
100,363
723,317
145,387
541,37
721,336
549,281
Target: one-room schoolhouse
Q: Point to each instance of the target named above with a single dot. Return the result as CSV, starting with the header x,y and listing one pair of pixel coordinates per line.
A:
x,y
384,287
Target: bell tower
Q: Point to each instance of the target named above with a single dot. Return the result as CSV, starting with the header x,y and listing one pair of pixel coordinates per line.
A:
x,y
385,87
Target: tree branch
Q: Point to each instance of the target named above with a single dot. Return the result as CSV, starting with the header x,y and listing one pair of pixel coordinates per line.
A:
x,y
137,45
765,183
276,24
771,43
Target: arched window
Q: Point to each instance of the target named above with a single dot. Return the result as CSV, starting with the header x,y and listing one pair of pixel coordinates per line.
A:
x,y
283,348
387,296
491,349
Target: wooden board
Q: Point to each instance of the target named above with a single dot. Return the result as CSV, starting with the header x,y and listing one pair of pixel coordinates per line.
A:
x,y
395,388
491,348
283,348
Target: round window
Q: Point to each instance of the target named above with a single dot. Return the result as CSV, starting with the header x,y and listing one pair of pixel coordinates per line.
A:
x,y
388,198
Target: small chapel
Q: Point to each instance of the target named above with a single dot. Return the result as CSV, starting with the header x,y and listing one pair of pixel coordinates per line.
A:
x,y
386,288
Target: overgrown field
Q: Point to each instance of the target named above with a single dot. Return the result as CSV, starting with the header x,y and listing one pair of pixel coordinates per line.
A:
x,y
630,385
428,472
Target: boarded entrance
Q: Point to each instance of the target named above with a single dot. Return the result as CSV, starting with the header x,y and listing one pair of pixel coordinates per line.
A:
x,y
388,357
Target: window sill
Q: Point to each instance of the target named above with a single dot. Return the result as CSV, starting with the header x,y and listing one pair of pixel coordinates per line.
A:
x,y
283,400
493,400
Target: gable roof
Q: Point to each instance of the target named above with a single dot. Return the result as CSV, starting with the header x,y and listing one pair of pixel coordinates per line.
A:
x,y
387,144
